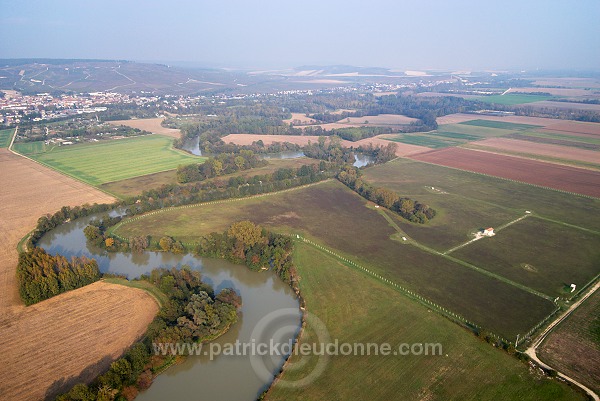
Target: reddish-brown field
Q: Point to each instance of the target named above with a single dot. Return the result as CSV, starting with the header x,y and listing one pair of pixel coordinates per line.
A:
x,y
543,149
247,139
460,117
62,337
570,179
575,127
149,124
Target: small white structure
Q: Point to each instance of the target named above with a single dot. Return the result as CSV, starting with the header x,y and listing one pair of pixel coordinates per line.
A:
x,y
489,232
527,211
573,286
403,238
376,206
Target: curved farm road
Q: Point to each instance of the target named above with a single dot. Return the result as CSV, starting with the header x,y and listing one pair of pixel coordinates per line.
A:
x,y
531,351
71,336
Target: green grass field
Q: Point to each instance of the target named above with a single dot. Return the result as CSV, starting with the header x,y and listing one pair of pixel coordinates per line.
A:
x,y
5,137
29,148
499,124
358,309
456,135
338,218
135,186
574,346
542,255
513,98
112,160
413,178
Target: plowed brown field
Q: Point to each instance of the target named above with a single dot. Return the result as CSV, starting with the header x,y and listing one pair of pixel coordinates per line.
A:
x,y
543,149
63,336
570,179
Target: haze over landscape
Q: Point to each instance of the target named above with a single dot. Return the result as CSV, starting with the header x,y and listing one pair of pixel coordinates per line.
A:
x,y
275,200
454,35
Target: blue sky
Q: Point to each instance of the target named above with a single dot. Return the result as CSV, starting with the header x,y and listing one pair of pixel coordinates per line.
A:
x,y
428,34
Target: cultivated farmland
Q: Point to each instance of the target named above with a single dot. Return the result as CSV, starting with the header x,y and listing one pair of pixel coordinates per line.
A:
x,y
113,160
513,98
153,125
5,137
92,315
540,149
574,347
340,219
565,178
358,309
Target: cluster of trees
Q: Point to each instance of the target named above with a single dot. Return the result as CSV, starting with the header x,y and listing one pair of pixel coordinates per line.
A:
x,y
408,208
65,214
95,234
193,313
247,243
331,149
225,163
42,276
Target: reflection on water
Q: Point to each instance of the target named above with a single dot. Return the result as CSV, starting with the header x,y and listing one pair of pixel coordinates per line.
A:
x,y
225,377
362,160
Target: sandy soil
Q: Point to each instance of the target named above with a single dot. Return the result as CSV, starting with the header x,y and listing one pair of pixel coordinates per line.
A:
x,y
402,149
150,125
570,179
543,149
299,118
63,336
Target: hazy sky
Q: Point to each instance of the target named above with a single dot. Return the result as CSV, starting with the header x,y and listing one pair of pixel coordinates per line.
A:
x,y
417,34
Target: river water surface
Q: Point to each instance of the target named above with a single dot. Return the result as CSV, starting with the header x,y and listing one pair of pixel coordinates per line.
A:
x,y
198,377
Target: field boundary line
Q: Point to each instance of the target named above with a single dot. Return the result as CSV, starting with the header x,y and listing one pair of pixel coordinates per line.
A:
x,y
53,169
405,291
562,223
112,230
507,179
465,264
477,238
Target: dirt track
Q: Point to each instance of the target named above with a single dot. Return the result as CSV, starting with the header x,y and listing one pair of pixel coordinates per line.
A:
x,y
62,336
570,179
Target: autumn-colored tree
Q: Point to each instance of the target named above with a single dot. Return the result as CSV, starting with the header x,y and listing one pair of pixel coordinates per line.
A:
x,y
246,232
109,242
166,243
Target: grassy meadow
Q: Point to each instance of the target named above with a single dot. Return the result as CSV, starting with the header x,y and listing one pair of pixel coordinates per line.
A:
x,y
111,160
336,217
358,309
5,137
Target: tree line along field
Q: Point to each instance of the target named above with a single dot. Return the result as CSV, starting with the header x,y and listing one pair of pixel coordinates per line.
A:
x,y
336,217
357,309
114,160
136,185
5,137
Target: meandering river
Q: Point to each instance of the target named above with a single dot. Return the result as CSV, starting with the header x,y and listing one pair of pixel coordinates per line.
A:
x,y
225,377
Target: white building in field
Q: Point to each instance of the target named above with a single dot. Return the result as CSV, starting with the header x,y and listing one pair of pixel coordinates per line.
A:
x,y
489,232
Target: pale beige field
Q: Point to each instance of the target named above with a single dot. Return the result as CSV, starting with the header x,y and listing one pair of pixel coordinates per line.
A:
x,y
299,118
565,105
63,336
542,149
382,119
569,82
570,92
402,149
150,125
460,117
